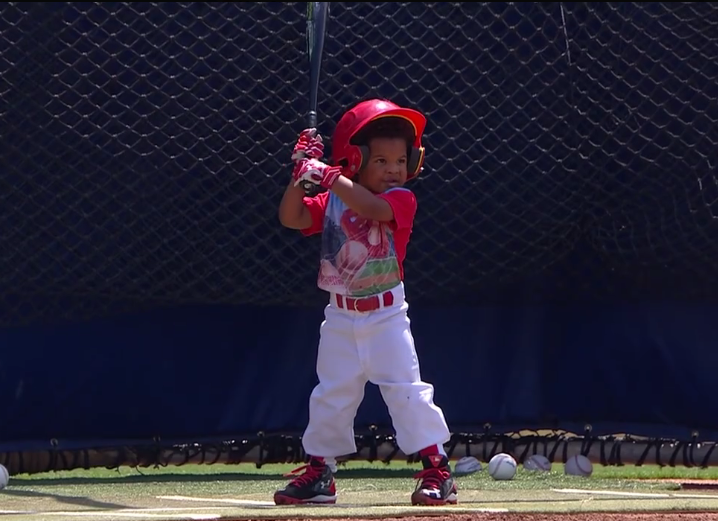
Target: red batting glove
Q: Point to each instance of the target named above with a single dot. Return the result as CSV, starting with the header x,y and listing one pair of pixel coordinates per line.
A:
x,y
315,172
309,145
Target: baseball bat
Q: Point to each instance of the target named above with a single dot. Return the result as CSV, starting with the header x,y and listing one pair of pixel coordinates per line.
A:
x,y
317,14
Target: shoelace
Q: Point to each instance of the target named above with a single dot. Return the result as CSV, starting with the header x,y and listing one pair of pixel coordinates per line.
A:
x,y
311,473
432,478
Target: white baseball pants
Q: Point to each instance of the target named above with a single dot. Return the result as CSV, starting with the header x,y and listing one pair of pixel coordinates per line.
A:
x,y
377,347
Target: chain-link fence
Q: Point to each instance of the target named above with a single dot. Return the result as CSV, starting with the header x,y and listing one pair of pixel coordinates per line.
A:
x,y
145,147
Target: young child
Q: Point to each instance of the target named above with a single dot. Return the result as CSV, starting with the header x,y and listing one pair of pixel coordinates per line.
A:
x,y
365,218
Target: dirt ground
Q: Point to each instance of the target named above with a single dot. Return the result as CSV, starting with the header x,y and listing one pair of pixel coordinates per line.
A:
x,y
516,516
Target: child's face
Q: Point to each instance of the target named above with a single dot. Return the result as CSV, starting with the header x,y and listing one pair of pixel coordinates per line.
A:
x,y
386,167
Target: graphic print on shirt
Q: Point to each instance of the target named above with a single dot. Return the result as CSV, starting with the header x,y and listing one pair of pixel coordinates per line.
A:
x,y
358,257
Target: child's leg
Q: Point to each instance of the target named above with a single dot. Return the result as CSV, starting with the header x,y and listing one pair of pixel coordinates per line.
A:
x,y
394,367
334,401
332,408
386,343
418,421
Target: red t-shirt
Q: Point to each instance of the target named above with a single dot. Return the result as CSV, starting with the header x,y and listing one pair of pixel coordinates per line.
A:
x,y
361,257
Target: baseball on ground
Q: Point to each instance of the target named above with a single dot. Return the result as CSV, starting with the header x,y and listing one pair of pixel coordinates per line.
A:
x,y
467,465
4,477
578,465
537,462
502,467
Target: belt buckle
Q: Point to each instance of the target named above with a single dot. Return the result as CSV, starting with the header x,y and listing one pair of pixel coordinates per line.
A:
x,y
357,304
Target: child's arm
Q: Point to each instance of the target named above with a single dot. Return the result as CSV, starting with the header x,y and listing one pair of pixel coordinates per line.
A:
x,y
362,201
355,196
293,213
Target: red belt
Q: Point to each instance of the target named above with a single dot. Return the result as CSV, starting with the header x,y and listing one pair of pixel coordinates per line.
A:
x,y
365,304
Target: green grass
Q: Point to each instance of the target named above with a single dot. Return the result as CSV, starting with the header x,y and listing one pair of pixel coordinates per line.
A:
x,y
355,476
376,487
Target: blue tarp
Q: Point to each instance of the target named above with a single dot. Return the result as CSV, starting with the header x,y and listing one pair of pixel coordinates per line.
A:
x,y
202,372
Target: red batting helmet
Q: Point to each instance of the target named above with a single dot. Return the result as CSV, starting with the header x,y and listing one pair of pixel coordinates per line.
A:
x,y
354,157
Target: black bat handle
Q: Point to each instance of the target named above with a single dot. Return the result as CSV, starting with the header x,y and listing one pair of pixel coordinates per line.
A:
x,y
316,27
311,123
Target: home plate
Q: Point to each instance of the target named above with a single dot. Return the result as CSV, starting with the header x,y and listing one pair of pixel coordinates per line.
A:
x,y
247,502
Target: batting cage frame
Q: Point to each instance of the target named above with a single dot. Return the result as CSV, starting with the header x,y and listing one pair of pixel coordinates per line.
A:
x,y
561,274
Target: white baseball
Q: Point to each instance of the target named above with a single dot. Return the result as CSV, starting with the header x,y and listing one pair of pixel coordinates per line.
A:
x,y
4,477
578,465
502,467
467,465
537,462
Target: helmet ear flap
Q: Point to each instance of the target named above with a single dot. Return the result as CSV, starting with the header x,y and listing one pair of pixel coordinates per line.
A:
x,y
358,156
365,155
416,159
